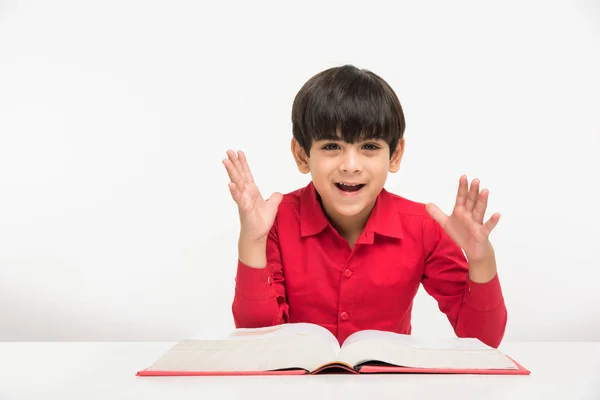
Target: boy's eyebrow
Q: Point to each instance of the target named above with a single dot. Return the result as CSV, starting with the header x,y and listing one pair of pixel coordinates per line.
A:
x,y
373,139
329,140
340,140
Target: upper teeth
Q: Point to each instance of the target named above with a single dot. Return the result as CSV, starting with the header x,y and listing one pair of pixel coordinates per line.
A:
x,y
344,184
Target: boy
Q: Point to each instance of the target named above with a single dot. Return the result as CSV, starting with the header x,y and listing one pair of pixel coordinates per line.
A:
x,y
343,252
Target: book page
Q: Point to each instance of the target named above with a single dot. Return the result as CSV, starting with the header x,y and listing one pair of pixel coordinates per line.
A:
x,y
287,330
419,342
303,346
408,351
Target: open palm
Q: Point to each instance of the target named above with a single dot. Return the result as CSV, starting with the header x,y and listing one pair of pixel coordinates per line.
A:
x,y
256,214
465,225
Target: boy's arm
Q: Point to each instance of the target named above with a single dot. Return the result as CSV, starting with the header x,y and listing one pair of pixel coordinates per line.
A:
x,y
260,293
467,291
260,288
473,309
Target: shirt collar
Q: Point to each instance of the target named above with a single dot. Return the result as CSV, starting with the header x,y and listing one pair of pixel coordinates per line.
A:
x,y
312,217
384,219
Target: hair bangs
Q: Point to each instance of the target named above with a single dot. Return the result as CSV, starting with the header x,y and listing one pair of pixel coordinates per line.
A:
x,y
348,104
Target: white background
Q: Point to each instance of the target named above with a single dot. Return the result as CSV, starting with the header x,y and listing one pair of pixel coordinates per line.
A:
x,y
115,218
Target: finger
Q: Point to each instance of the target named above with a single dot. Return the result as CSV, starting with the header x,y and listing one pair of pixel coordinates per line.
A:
x,y
461,196
245,166
275,200
236,163
491,224
473,194
437,214
481,206
235,193
234,175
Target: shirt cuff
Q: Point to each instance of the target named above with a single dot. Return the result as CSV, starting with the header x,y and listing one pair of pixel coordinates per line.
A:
x,y
483,296
254,283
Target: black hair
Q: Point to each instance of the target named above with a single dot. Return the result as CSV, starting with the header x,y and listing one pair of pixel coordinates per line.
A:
x,y
354,103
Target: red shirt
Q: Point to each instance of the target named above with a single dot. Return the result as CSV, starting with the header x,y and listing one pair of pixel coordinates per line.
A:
x,y
313,275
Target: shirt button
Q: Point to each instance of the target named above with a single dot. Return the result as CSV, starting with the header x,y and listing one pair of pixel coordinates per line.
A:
x,y
347,273
344,316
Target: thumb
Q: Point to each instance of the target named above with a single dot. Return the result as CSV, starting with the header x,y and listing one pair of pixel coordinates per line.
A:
x,y
275,200
436,213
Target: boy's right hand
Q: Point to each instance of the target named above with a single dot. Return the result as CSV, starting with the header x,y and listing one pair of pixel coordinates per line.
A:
x,y
256,214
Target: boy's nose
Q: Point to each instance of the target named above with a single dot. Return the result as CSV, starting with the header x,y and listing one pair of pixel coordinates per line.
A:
x,y
350,162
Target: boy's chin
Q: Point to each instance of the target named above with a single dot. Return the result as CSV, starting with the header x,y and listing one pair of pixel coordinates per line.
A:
x,y
350,210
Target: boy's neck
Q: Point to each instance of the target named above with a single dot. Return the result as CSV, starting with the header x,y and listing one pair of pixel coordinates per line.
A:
x,y
349,227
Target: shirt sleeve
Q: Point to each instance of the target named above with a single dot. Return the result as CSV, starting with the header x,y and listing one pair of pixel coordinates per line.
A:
x,y
474,310
259,298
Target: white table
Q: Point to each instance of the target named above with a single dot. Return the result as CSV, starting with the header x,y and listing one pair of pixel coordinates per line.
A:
x,y
107,371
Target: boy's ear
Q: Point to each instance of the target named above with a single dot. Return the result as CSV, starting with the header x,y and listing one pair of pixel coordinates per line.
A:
x,y
397,156
300,156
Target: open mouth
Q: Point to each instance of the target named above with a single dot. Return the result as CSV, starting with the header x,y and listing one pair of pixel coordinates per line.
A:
x,y
350,187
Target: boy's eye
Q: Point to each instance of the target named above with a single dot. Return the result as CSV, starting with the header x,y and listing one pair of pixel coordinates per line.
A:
x,y
370,146
334,146
330,146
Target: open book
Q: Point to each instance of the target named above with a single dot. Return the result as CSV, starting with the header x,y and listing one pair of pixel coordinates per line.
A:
x,y
303,348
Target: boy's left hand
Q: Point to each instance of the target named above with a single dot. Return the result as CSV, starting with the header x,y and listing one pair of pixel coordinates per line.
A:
x,y
465,226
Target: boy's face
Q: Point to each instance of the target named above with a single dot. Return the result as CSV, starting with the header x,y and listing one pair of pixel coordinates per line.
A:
x,y
348,177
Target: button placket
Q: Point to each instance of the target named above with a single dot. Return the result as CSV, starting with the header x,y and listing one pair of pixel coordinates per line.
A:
x,y
346,288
